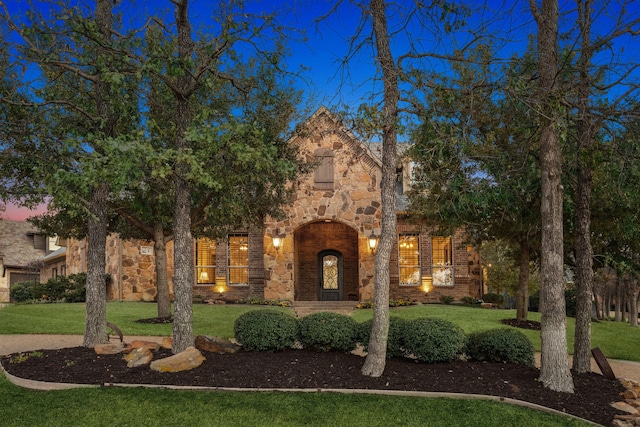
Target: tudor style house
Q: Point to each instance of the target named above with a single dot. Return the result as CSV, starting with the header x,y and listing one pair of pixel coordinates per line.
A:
x,y
26,255
324,249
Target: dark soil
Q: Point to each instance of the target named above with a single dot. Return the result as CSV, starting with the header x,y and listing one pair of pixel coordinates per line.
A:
x,y
309,369
522,324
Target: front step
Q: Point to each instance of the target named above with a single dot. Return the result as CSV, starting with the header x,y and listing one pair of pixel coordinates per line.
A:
x,y
304,308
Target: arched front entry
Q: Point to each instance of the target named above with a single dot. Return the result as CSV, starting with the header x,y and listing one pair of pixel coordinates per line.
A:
x,y
326,262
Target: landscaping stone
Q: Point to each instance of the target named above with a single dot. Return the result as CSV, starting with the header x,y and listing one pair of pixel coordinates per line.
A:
x,y
216,345
184,361
630,405
151,345
139,357
167,342
111,348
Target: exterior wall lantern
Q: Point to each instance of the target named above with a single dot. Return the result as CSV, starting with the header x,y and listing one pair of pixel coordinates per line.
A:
x,y
373,243
277,242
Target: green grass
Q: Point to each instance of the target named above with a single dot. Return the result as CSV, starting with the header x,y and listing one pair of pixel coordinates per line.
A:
x,y
216,320
152,407
617,340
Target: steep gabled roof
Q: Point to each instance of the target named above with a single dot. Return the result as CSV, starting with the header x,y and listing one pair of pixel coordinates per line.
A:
x,y
324,118
17,247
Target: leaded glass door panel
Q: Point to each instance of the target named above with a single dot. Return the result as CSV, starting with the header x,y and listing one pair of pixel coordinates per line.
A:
x,y
330,275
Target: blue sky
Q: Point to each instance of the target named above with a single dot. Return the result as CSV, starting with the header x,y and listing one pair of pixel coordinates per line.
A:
x,y
325,44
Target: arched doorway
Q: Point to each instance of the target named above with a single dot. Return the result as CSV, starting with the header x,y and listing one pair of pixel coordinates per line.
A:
x,y
326,262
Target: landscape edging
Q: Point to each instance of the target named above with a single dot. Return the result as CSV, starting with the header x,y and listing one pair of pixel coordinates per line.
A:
x,y
44,385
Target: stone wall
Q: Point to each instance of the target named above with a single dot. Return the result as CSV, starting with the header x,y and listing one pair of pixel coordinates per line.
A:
x,y
354,202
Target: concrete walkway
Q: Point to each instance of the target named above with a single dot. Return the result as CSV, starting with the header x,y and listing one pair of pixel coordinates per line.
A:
x,y
20,343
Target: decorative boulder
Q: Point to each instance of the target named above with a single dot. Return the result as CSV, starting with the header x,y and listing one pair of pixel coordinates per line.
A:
x,y
111,348
167,342
216,345
189,359
139,357
151,345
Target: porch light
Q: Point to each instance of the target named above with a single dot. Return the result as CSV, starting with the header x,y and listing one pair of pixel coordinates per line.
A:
x,y
373,243
277,242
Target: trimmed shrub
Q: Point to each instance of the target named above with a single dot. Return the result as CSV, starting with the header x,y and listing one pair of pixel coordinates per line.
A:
x,y
395,343
468,300
266,330
22,291
70,288
492,298
434,340
327,331
500,345
446,299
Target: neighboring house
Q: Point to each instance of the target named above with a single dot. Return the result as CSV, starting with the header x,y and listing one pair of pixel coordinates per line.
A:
x,y
22,250
322,250
54,264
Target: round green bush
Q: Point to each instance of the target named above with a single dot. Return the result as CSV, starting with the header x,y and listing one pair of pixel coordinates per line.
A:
x,y
434,340
22,291
395,339
266,330
327,331
500,345
492,298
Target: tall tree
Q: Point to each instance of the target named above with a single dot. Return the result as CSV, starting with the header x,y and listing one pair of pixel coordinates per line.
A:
x,y
188,68
81,100
475,157
554,369
376,357
591,113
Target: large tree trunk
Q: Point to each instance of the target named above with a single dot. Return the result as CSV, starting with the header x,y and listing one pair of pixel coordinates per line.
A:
x,y
632,297
95,331
619,298
162,282
584,273
183,336
554,372
584,250
522,309
376,358
96,307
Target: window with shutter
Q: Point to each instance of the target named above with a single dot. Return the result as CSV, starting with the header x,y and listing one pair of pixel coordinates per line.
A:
x,y
323,176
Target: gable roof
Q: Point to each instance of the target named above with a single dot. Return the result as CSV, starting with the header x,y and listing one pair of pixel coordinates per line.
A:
x,y
17,247
323,118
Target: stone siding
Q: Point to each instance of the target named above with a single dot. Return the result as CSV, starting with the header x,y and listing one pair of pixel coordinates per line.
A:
x,y
354,202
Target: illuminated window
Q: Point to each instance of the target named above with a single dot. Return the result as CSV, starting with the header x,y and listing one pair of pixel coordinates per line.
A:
x,y
205,261
238,259
409,259
442,261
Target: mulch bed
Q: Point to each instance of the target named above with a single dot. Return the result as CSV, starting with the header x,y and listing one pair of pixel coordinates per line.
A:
x,y
309,369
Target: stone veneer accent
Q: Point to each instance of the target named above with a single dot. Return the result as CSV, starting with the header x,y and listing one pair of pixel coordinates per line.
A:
x,y
354,202
321,216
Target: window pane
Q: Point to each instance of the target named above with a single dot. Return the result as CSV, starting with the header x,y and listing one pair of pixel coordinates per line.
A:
x,y
409,259
239,259
442,268
330,272
205,261
442,251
